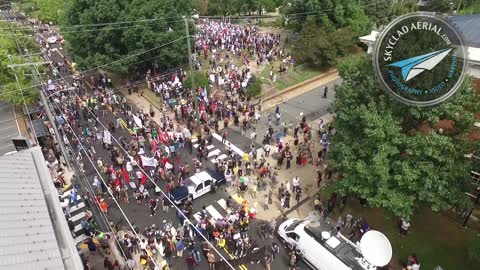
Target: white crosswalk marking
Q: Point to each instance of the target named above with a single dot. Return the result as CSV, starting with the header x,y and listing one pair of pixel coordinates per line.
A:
x,y
223,204
80,206
220,158
217,211
213,212
234,148
214,152
77,217
80,238
77,213
210,147
195,145
197,216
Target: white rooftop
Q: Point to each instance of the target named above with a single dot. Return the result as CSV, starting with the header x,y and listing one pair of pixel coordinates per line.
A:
x,y
32,234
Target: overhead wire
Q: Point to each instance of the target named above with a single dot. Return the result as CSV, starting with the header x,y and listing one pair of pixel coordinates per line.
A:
x,y
86,179
35,139
157,186
147,21
114,62
150,179
103,181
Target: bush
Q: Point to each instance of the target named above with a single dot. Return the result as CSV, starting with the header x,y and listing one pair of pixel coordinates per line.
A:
x,y
200,80
474,251
254,87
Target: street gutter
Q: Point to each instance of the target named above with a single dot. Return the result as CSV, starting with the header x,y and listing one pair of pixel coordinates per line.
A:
x,y
298,85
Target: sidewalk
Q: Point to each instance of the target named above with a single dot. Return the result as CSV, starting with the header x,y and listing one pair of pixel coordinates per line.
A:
x,y
299,89
307,174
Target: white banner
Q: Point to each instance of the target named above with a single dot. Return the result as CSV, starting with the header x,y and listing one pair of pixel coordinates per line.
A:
x,y
138,121
150,162
107,137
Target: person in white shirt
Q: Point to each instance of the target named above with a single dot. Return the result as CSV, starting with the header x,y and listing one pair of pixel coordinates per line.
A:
x,y
295,183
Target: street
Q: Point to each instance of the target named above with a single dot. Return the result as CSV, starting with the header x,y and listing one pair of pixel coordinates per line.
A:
x,y
311,104
8,129
139,214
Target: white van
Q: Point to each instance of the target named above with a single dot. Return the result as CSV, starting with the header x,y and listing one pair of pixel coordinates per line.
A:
x,y
330,252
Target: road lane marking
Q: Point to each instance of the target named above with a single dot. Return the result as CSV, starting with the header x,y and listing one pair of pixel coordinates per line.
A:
x,y
16,121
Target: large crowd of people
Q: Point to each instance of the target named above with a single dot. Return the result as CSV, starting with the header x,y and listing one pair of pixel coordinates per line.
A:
x,y
156,143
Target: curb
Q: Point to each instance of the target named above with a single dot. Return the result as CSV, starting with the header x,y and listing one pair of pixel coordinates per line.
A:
x,y
293,87
152,102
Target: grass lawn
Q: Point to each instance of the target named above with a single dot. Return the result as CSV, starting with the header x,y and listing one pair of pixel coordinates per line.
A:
x,y
435,238
290,77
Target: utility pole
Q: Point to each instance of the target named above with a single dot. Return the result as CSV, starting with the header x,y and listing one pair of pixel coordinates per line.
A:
x,y
193,90
21,92
44,100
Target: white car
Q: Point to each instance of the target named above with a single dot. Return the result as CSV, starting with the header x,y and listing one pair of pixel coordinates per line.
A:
x,y
197,185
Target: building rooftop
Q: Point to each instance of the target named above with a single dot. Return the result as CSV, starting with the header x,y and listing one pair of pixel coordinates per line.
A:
x,y
33,230
467,25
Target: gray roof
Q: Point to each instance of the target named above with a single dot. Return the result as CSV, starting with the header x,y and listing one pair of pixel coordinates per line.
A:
x,y
29,227
40,128
467,25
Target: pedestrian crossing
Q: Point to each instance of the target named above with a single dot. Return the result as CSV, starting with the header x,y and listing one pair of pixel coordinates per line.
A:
x,y
77,212
217,210
214,154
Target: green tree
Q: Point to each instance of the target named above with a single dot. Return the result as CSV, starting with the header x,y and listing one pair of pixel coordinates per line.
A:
x,y
132,46
391,154
10,91
223,7
342,13
200,80
44,10
254,87
321,48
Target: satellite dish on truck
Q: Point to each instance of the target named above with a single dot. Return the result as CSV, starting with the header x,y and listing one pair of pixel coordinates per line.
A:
x,y
376,248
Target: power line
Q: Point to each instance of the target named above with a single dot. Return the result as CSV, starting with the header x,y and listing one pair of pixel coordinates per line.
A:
x,y
147,175
148,21
114,62
103,181
156,185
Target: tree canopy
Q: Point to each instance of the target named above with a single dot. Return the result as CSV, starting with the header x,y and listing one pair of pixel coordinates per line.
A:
x,y
392,155
238,7
44,10
137,43
12,92
320,46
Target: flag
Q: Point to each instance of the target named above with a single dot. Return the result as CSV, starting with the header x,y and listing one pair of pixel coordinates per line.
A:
x,y
154,145
125,174
149,161
160,135
143,180
138,121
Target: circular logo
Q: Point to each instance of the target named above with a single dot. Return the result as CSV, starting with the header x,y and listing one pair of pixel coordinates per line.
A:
x,y
420,59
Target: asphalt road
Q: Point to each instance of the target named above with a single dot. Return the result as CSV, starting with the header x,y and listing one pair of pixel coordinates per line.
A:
x,y
140,216
8,128
311,104
8,121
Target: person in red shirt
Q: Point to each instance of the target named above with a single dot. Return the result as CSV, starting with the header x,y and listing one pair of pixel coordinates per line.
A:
x,y
191,262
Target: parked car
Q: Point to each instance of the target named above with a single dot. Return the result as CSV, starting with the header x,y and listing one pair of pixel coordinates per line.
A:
x,y
197,185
